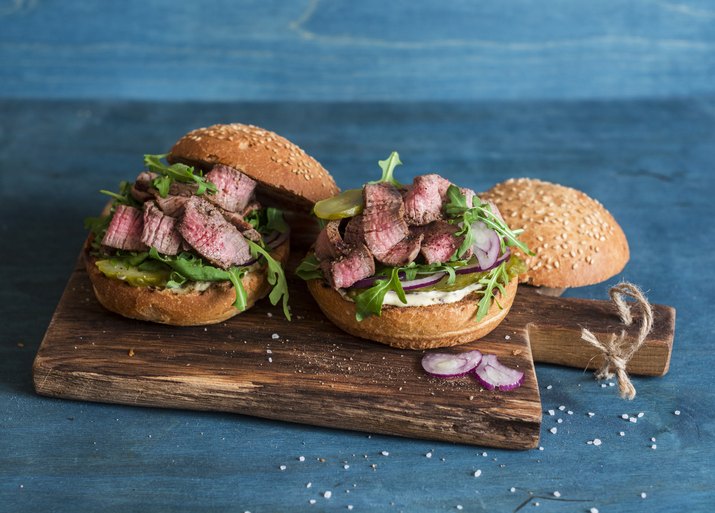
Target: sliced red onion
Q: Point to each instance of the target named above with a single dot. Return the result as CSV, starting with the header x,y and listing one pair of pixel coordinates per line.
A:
x,y
445,365
491,374
477,268
277,241
486,244
406,284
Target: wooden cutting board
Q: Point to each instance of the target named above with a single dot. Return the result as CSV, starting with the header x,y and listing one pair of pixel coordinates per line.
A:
x,y
310,372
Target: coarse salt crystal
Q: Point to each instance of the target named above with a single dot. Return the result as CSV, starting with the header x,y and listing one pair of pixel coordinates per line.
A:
x,y
652,439
350,507
459,507
640,415
327,494
633,420
624,416
611,384
593,510
268,351
275,336
676,412
597,441
428,455
282,467
484,454
562,407
512,489
643,495
569,412
622,433
654,447
603,385
537,504
312,501
541,448
477,473
385,453
559,420
549,387
507,337
301,458
346,466
270,360
557,494
553,430
308,485
552,412
591,414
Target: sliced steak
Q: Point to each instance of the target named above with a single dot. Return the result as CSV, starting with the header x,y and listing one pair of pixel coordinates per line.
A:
x,y
343,272
404,251
439,243
235,190
160,230
214,238
253,205
383,218
125,229
246,228
329,243
172,205
423,201
354,231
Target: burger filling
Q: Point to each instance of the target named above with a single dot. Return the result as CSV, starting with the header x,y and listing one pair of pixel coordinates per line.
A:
x,y
176,229
427,243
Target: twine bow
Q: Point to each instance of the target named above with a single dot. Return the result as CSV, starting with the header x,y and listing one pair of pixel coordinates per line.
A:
x,y
617,351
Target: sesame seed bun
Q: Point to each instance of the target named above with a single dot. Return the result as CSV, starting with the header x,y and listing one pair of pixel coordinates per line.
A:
x,y
194,308
415,327
287,176
576,240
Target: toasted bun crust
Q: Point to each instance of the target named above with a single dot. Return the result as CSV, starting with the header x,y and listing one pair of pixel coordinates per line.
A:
x,y
576,240
287,176
211,306
414,327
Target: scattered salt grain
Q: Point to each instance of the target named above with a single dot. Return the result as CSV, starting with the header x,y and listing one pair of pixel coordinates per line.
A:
x,y
562,407
350,507
559,420
569,412
654,447
268,351
621,433
624,416
301,458
507,337
549,387
459,507
275,336
633,420
603,385
512,489
282,467
327,494
541,448
593,510
591,414
312,501
428,455
537,504
269,314
385,453
596,441
553,430
652,439
676,412
477,473
643,495
557,494
484,454
346,466
270,360
308,485
552,412
611,384
640,415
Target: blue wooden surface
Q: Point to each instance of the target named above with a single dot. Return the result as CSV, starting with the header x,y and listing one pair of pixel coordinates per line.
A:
x,y
614,98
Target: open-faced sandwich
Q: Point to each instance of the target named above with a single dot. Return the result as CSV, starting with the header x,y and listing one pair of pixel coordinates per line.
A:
x,y
413,266
188,242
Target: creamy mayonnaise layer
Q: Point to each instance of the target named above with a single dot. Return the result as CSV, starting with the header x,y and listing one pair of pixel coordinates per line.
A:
x,y
432,297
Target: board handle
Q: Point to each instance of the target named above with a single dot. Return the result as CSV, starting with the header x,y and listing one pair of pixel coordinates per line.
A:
x,y
555,324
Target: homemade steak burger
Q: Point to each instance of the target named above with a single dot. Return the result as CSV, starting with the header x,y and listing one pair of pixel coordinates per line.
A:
x,y
418,266
188,243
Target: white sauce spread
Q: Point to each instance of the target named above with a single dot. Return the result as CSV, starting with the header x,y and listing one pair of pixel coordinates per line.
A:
x,y
432,297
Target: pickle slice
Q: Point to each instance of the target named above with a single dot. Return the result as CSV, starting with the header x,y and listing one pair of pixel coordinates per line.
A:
x,y
348,203
132,275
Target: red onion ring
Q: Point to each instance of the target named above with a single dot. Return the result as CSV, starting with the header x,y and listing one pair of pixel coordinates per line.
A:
x,y
487,244
446,365
491,374
476,268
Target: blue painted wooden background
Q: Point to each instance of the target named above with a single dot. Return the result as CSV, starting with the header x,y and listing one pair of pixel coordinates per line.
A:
x,y
615,98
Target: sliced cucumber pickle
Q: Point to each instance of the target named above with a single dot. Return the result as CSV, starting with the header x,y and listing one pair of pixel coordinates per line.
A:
x,y
348,203
132,275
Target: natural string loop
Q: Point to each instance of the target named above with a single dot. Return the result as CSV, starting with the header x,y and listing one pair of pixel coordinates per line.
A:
x,y
617,351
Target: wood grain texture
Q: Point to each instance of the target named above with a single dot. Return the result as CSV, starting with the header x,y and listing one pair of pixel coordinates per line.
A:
x,y
344,50
313,374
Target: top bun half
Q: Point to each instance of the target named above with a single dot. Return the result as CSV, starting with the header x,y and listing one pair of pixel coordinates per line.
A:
x,y
576,240
286,175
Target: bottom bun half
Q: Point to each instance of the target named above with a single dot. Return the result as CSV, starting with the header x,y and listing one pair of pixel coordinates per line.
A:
x,y
194,308
415,327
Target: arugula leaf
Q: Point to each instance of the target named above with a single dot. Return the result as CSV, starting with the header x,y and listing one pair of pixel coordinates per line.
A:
x,y
176,173
388,168
309,268
464,216
276,277
267,220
